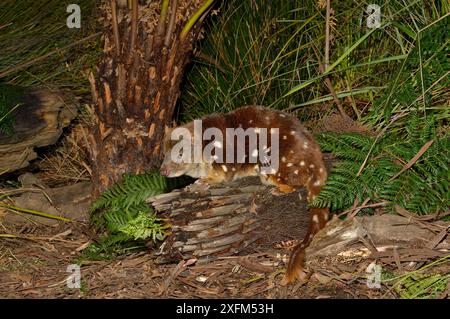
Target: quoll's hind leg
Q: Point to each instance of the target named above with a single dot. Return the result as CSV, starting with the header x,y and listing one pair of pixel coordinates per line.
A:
x,y
318,219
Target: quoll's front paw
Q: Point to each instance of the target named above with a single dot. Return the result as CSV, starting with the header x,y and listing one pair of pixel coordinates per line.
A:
x,y
276,192
199,185
282,190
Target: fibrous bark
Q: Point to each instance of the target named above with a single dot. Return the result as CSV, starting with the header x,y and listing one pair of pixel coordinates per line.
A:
x,y
137,83
205,224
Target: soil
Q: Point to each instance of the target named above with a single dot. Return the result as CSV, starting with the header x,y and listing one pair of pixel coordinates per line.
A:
x,y
36,267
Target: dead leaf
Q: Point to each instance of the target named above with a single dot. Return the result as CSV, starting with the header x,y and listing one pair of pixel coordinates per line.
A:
x,y
438,238
322,278
346,276
416,157
254,266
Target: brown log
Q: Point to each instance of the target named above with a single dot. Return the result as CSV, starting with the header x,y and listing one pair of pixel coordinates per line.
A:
x,y
39,121
71,201
221,220
386,237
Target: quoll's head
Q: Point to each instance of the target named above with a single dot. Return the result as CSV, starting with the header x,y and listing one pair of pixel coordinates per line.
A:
x,y
178,158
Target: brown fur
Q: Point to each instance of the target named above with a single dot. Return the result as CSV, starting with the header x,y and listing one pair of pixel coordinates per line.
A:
x,y
300,164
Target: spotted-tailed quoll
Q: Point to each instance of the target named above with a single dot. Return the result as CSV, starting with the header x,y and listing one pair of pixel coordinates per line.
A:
x,y
252,141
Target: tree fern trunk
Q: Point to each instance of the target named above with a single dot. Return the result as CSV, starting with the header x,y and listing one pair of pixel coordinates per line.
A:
x,y
146,49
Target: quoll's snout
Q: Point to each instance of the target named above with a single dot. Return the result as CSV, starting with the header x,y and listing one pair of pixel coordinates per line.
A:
x,y
164,170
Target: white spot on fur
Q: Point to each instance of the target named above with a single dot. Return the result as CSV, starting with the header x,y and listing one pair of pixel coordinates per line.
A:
x,y
318,183
296,171
267,118
284,137
292,132
233,169
311,166
283,159
250,122
282,115
302,163
315,219
289,164
321,170
225,169
305,145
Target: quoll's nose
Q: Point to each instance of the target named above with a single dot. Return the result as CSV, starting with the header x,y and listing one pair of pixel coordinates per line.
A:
x,y
163,170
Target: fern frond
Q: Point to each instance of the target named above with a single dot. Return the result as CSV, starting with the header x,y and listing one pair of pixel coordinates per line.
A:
x,y
125,214
423,188
134,189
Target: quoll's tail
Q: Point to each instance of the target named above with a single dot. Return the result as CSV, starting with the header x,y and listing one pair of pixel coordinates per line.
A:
x,y
318,219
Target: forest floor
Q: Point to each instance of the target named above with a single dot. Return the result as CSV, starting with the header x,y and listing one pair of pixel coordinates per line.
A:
x,y
34,264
